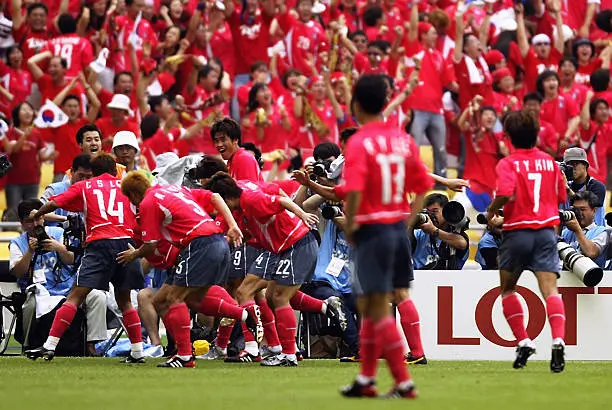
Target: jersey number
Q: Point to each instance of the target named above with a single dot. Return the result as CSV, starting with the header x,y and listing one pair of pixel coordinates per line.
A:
x,y
537,184
196,208
392,184
105,211
64,51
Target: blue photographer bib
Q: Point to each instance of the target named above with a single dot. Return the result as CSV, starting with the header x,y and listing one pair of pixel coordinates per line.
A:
x,y
334,262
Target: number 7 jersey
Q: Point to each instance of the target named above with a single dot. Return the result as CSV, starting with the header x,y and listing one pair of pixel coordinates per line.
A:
x,y
533,181
108,213
383,163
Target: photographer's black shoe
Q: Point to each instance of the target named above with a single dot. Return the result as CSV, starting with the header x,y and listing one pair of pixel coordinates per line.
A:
x,y
522,354
557,359
46,354
133,360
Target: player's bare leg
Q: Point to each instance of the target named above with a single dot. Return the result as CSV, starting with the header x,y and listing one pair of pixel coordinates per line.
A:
x,y
556,318
148,315
411,325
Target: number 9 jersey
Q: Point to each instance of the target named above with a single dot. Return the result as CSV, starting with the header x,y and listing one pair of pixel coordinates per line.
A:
x,y
108,213
383,163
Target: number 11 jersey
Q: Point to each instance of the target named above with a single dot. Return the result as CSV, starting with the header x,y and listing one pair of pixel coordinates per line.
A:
x,y
108,213
383,163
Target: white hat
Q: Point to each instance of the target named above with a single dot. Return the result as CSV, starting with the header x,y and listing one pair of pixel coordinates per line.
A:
x,y
568,33
164,160
126,138
540,38
507,25
120,102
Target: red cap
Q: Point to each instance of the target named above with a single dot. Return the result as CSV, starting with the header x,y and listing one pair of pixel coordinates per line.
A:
x,y
424,27
314,80
494,57
336,76
501,73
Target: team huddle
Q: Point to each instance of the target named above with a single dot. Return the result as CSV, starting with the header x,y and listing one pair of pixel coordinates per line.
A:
x,y
244,231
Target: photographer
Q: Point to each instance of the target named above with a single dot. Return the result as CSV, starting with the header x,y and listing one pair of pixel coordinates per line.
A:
x,y
434,244
488,246
581,232
581,181
38,256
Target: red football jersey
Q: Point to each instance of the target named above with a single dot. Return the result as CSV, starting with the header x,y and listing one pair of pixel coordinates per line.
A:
x,y
243,166
176,215
274,228
383,163
76,50
533,181
108,213
302,40
165,254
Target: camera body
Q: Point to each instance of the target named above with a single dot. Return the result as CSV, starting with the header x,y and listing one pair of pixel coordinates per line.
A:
x,y
423,217
41,235
321,168
5,165
567,170
74,232
331,211
572,213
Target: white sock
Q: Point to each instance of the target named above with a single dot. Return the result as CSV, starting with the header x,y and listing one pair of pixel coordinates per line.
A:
x,y
252,348
291,357
137,349
184,358
51,343
222,350
526,342
363,380
275,349
405,385
245,315
558,341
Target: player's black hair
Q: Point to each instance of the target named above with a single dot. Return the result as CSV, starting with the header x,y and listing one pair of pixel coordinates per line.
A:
x,y
488,108
67,24
26,206
228,127
35,6
534,96
208,166
347,133
595,103
253,104
257,65
379,44
356,33
436,198
370,93
371,15
569,60
156,101
86,128
71,97
149,126
289,73
325,150
119,74
15,113
222,183
545,75
587,196
204,71
103,163
600,80
249,146
81,161
523,129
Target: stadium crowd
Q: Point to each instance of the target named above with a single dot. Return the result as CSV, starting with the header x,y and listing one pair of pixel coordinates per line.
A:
x,y
256,101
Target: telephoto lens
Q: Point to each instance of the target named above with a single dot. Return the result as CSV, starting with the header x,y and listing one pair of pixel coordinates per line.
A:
x,y
566,216
587,271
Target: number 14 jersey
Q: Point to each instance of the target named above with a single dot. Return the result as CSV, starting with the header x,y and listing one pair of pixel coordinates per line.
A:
x,y
383,163
108,213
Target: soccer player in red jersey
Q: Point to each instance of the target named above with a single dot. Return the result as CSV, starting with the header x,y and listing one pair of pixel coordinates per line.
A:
x,y
530,187
283,230
76,50
242,164
381,168
176,215
110,220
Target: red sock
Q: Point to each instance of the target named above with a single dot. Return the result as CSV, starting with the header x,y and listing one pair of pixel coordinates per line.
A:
x,y
223,336
367,349
227,309
248,336
179,323
305,303
409,318
513,311
556,316
218,292
389,341
286,325
131,321
63,318
269,324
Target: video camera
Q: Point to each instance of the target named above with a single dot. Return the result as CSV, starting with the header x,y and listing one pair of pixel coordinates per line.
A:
x,y
584,268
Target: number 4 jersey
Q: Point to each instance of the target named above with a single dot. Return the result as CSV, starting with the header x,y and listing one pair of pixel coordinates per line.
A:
x,y
383,163
532,180
108,213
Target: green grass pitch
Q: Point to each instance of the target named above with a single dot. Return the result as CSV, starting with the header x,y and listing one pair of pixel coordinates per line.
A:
x,y
92,384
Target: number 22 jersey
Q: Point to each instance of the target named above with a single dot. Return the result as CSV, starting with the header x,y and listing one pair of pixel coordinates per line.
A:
x,y
382,162
108,213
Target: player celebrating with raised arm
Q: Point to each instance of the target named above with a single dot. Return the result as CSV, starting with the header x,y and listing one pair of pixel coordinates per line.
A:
x,y
175,214
110,221
381,168
530,187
